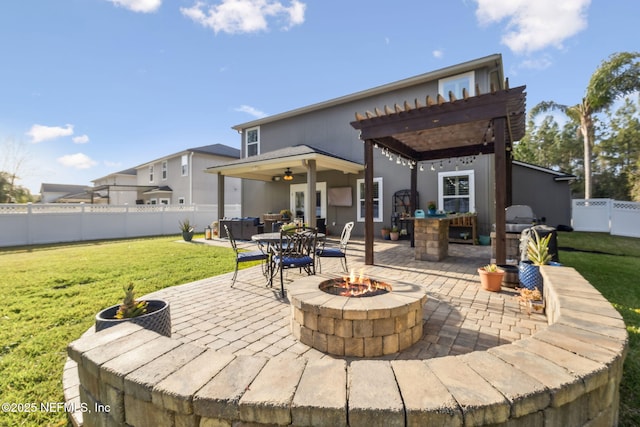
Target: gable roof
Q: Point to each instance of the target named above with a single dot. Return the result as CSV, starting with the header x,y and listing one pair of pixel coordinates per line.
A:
x,y
493,61
264,166
214,149
557,175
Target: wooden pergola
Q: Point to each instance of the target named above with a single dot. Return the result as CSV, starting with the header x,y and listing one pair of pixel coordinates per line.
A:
x,y
481,124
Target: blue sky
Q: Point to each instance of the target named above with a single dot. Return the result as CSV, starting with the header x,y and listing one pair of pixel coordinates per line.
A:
x,y
90,87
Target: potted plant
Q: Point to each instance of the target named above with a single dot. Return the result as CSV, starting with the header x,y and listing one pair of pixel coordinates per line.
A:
x,y
385,232
394,234
187,229
538,254
286,214
151,314
431,207
491,277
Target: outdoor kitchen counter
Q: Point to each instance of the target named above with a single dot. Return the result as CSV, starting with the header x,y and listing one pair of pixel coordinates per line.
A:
x,y
431,237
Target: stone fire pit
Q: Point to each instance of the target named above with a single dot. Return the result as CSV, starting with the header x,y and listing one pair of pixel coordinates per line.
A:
x,y
356,326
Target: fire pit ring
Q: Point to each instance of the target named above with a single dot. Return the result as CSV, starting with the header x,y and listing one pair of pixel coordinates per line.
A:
x,y
359,327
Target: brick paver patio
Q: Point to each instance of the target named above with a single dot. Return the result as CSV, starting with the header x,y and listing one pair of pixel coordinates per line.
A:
x,y
250,318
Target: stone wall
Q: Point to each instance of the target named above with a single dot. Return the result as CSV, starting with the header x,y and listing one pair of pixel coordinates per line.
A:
x,y
566,375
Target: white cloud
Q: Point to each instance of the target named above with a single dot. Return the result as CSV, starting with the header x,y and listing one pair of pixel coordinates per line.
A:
x,y
39,133
250,110
81,139
245,16
438,53
144,6
78,161
534,25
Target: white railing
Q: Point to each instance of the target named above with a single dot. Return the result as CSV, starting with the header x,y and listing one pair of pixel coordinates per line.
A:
x,y
29,224
606,215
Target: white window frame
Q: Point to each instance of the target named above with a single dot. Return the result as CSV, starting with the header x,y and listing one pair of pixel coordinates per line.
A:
x,y
256,142
472,188
444,85
360,200
151,177
165,170
184,165
181,200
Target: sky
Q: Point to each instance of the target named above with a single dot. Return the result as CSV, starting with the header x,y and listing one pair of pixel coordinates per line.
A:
x,y
92,87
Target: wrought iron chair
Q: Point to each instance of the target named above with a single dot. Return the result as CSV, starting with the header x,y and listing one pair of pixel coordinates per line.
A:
x,y
246,256
336,252
296,249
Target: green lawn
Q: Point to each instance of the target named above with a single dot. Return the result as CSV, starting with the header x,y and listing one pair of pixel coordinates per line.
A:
x,y
51,293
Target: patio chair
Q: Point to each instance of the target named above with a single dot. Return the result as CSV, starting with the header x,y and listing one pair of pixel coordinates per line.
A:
x,y
296,249
246,256
336,252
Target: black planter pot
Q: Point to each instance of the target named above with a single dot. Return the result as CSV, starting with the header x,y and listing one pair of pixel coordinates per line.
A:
x,y
157,318
187,235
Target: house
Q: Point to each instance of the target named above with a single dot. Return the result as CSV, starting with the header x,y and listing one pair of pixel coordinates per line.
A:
x,y
174,179
63,193
433,135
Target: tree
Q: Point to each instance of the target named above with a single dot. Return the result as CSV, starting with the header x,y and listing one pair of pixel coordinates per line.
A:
x,y
618,153
617,76
15,157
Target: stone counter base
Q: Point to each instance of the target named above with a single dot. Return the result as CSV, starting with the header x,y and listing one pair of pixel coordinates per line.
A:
x,y
566,375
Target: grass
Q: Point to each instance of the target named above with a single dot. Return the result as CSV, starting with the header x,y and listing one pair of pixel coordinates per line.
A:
x,y
50,295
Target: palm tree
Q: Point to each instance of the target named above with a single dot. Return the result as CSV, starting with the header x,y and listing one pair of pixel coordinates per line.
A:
x,y
617,76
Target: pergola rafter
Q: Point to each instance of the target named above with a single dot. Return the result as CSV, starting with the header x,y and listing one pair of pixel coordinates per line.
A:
x,y
481,124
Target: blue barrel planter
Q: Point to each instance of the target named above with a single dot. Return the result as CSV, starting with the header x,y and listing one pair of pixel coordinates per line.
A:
x,y
529,276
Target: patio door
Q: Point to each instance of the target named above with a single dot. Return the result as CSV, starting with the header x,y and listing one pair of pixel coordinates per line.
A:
x,y
300,199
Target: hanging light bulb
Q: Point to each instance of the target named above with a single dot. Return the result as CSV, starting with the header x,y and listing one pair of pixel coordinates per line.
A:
x,y
433,167
421,167
398,161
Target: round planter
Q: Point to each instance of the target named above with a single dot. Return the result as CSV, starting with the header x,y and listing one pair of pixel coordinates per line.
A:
x,y
187,235
529,276
394,235
510,279
385,234
157,318
431,211
491,280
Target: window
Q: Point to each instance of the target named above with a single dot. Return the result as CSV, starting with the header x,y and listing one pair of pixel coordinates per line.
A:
x,y
181,201
151,173
164,201
185,165
164,170
299,198
456,191
377,200
455,84
253,142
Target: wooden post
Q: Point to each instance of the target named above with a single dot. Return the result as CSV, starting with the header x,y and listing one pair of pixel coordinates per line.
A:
x,y
413,202
220,199
499,125
368,202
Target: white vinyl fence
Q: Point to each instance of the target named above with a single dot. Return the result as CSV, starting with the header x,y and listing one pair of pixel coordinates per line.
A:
x,y
29,224
606,215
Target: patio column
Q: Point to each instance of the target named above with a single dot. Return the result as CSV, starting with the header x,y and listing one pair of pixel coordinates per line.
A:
x,y
310,208
413,203
220,196
501,188
368,202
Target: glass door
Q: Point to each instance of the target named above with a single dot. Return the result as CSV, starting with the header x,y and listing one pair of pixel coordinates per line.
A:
x,y
300,198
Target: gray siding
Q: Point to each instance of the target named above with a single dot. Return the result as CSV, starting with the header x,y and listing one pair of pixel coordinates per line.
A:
x,y
547,197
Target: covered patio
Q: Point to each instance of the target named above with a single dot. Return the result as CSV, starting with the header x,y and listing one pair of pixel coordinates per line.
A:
x,y
436,129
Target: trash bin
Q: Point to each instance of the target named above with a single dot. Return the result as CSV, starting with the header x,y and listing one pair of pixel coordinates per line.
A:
x,y
543,231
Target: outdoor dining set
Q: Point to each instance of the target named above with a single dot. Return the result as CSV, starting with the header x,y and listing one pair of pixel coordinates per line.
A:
x,y
294,246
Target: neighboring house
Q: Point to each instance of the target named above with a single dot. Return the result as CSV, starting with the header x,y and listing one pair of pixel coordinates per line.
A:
x,y
178,178
319,148
63,193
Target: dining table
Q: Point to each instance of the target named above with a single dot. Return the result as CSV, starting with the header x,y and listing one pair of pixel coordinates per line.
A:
x,y
270,242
